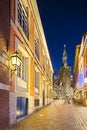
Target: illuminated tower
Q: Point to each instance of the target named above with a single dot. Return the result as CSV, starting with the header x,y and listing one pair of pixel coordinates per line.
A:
x,y
64,58
65,77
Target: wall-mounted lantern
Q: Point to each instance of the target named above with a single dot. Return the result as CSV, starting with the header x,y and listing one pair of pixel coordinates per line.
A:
x,y
15,61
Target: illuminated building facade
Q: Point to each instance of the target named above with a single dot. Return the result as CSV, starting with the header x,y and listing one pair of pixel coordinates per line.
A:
x,y
63,81
65,76
76,67
29,86
80,71
56,87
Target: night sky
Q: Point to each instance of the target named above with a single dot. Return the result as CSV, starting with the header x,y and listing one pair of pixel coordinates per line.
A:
x,y
64,22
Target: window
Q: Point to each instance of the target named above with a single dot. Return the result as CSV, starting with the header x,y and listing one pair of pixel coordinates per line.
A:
x,y
36,82
36,102
36,43
22,104
22,17
22,71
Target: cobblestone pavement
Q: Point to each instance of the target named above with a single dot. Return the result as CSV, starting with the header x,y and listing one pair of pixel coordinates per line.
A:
x,y
56,116
82,111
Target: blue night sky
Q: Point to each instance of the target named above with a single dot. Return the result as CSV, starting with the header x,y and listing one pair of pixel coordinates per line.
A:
x,y
64,22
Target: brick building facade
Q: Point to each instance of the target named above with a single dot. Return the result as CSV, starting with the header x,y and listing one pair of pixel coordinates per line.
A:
x,y
4,64
29,87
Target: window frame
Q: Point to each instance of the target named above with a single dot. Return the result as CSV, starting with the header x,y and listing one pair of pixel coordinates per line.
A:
x,y
22,69
22,17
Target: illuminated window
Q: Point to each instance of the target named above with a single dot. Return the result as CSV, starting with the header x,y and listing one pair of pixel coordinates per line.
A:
x,y
22,71
22,17
36,43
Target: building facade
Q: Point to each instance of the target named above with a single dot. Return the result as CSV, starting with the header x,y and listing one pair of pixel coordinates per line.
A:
x,y
29,86
76,68
81,72
56,87
4,65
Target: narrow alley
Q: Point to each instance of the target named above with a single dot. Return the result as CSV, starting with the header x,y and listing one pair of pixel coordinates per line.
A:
x,y
56,116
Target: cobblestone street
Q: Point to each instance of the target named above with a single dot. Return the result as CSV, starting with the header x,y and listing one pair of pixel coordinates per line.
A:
x,y
56,116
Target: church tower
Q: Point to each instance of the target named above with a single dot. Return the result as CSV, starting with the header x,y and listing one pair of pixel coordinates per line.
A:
x,y
62,83
64,57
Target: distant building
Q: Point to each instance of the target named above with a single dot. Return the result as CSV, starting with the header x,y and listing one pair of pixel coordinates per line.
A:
x,y
65,88
63,82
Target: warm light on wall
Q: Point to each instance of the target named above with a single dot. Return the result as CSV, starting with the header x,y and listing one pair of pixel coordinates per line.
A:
x,y
15,60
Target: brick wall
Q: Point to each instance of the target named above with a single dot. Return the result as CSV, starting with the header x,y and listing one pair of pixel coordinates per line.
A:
x,y
4,74
4,70
4,24
12,9
4,109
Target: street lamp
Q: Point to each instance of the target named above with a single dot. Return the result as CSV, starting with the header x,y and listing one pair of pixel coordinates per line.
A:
x,y
15,61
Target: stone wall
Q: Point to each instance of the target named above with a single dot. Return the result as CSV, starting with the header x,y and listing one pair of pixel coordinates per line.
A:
x,y
12,108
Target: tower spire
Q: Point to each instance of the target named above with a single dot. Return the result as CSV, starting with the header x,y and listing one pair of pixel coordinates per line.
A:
x,y
64,57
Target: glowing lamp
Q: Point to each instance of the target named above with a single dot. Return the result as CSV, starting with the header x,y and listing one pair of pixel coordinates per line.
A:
x,y
15,60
